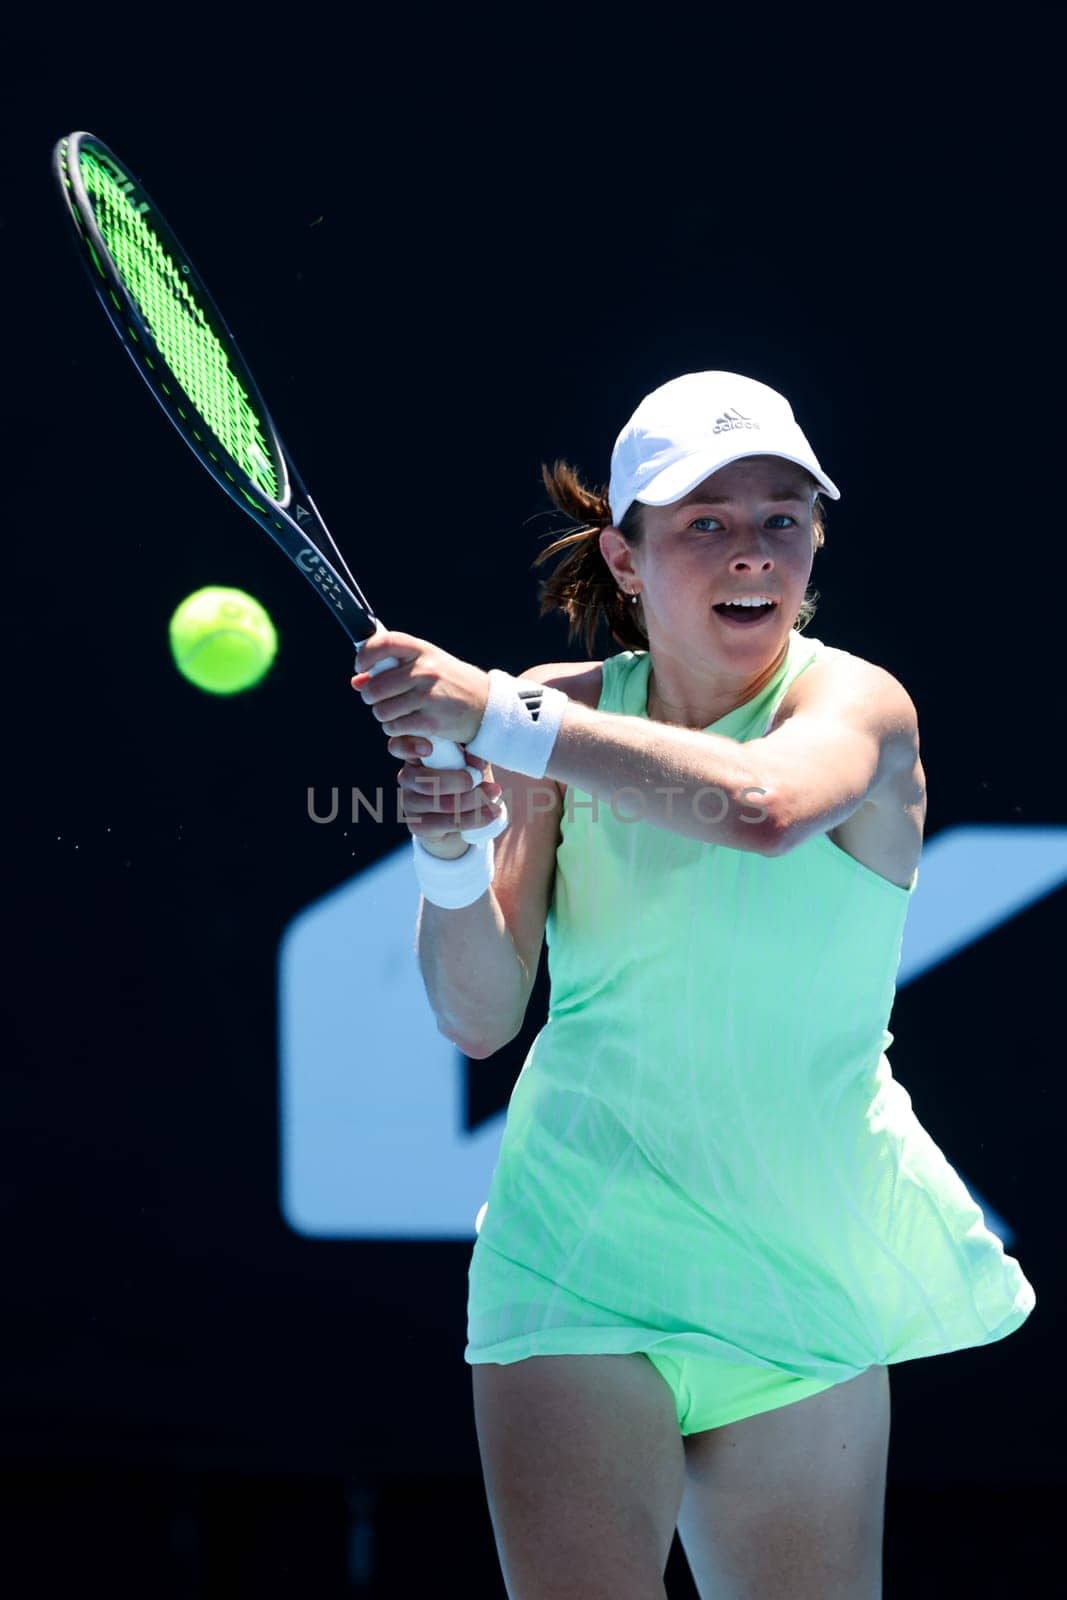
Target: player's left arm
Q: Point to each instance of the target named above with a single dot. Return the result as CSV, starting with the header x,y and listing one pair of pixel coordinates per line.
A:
x,y
851,729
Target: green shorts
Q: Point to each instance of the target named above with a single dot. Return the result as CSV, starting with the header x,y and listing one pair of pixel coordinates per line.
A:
x,y
709,1393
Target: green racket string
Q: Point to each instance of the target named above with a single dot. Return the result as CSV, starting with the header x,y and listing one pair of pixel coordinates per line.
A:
x,y
181,330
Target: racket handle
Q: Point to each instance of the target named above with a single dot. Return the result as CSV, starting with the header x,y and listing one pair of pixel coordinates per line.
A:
x,y
447,756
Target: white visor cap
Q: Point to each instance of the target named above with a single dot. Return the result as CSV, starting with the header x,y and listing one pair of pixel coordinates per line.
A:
x,y
687,429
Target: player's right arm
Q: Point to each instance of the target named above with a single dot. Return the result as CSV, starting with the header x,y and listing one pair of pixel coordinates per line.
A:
x,y
479,962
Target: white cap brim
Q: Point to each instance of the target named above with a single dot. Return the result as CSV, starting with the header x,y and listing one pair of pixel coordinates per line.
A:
x,y
676,481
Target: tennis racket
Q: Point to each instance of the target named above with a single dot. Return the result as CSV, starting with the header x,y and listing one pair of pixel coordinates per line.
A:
x,y
173,332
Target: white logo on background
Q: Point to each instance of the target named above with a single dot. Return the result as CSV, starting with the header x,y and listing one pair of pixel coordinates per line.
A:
x,y
371,1094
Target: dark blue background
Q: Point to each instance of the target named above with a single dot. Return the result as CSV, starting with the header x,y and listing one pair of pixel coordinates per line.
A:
x,y
452,249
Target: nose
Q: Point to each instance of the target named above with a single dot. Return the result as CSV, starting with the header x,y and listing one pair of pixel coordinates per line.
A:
x,y
753,553
754,562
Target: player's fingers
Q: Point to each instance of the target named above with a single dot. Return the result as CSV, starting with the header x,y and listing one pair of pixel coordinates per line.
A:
x,y
444,788
441,810
402,647
410,746
437,780
450,821
485,800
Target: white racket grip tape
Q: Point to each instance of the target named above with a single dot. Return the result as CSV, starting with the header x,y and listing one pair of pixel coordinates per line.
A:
x,y
447,756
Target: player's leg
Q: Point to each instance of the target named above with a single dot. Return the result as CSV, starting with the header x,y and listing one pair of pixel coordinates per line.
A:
x,y
791,1502
584,1473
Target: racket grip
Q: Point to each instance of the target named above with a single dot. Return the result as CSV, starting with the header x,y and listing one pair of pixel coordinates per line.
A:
x,y
447,756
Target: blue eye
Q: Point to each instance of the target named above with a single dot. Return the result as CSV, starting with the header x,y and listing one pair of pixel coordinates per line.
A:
x,y
705,524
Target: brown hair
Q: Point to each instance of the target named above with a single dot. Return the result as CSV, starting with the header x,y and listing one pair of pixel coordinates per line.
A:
x,y
582,585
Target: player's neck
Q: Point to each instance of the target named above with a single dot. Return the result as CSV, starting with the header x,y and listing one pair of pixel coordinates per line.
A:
x,y
674,701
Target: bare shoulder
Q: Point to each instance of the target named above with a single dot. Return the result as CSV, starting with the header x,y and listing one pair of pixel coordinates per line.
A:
x,y
849,688
581,680
840,683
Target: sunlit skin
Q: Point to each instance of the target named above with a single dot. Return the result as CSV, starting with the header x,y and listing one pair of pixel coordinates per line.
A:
x,y
755,538
745,529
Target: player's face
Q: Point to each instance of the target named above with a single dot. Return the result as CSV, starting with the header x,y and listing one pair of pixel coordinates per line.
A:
x,y
744,531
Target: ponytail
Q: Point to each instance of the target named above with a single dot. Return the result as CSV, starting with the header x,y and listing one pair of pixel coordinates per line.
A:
x,y
582,585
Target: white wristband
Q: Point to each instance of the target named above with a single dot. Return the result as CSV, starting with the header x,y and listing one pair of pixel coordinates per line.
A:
x,y
520,724
456,882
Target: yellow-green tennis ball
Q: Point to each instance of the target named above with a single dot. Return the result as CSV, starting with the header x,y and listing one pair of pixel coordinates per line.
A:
x,y
222,640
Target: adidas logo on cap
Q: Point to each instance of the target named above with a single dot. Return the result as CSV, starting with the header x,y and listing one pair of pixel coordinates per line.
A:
x,y
732,418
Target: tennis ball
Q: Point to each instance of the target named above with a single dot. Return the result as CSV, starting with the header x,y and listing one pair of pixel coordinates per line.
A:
x,y
222,640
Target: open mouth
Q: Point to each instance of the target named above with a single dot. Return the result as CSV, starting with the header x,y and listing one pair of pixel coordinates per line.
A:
x,y
745,616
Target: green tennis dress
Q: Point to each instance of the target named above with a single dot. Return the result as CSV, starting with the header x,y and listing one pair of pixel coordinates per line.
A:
x,y
706,1152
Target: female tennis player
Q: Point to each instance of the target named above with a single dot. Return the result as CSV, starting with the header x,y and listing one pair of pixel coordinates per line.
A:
x,y
715,1221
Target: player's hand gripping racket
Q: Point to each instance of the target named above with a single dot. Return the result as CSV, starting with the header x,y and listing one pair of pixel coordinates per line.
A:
x,y
173,331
